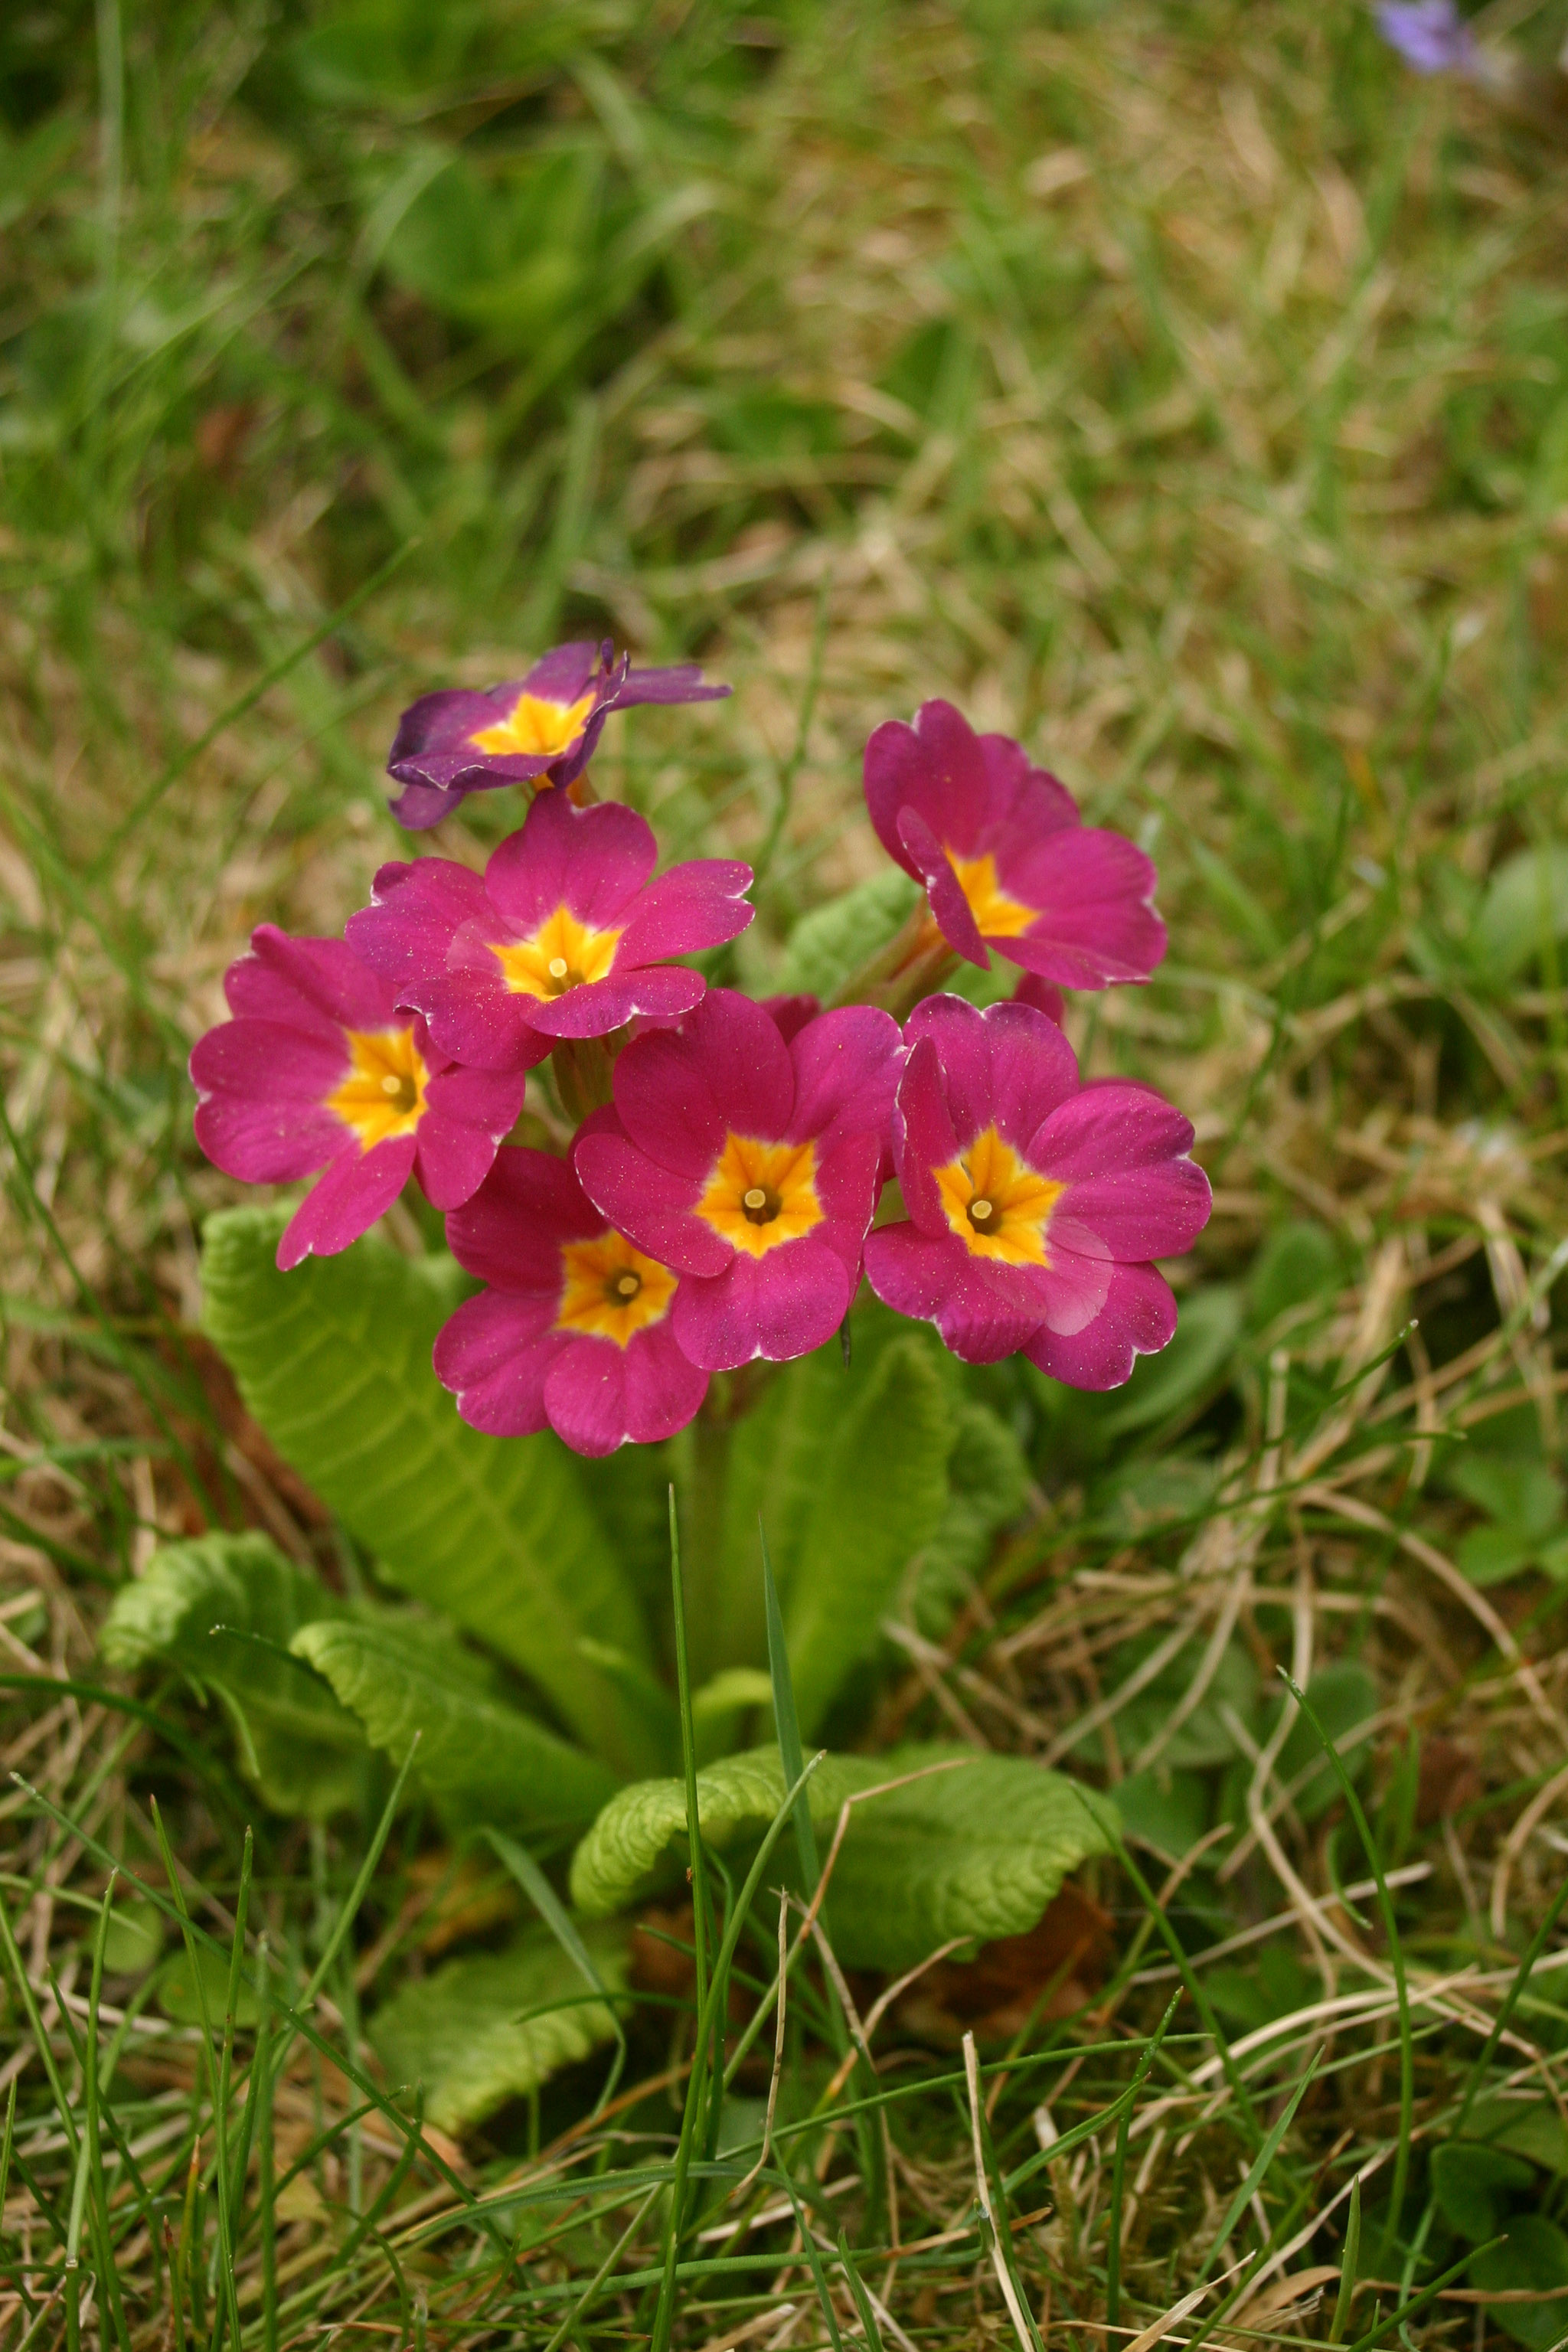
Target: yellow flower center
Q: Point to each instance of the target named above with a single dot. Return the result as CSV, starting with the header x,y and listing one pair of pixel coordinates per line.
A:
x,y
998,1206
611,1291
537,727
563,953
760,1194
996,916
383,1096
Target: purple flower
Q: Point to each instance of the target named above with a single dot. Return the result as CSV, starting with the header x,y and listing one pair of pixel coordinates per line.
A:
x,y
320,1069
751,1166
540,729
1035,1202
574,1328
1006,862
563,936
1429,35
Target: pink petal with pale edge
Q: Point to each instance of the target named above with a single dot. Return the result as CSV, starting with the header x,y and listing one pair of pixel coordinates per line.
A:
x,y
592,861
262,1116
650,1205
680,1092
1138,1318
779,1307
656,992
1007,1066
493,1354
510,1233
1096,925
696,905
598,1395
357,1188
935,1279
415,911
309,985
847,1067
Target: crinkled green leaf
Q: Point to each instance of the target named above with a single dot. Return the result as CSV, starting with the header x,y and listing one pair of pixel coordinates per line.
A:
x,y
832,941
1535,2257
878,1497
1524,909
302,1752
493,2025
333,1359
988,1479
484,1760
978,1848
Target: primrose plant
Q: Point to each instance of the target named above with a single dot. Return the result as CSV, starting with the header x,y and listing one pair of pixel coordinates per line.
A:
x,y
662,1197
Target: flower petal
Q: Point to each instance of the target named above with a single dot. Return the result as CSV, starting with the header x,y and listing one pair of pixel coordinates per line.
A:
x,y
357,1188
780,1306
468,1113
650,1204
692,907
680,1092
933,1279
510,1234
1097,923
656,991
952,909
310,983
1121,1148
846,1068
592,861
1138,1318
494,1354
415,911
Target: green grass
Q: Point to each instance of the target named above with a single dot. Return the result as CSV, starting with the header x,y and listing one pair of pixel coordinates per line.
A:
x,y
1181,388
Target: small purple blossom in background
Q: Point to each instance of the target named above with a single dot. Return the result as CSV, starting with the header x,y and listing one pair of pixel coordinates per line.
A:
x,y
1006,862
318,1070
573,1330
563,936
1036,1202
1429,35
540,729
752,1166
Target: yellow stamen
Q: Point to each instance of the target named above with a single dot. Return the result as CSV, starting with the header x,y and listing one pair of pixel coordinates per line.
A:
x,y
383,1096
610,1290
998,1206
563,953
537,727
761,1194
996,916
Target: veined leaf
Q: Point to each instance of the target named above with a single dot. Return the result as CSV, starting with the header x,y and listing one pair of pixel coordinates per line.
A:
x,y
878,1497
832,941
977,1848
333,1359
988,1478
303,1751
493,2025
484,1760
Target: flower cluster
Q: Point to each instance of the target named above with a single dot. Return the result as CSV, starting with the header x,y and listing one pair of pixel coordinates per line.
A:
x,y
692,1178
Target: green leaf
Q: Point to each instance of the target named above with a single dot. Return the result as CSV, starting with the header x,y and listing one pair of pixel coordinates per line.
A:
x,y
493,2025
1524,909
483,1760
300,1749
988,1480
1525,1496
1297,1262
1535,2256
333,1359
977,1849
1527,2126
832,941
878,1493
1163,1809
1473,2184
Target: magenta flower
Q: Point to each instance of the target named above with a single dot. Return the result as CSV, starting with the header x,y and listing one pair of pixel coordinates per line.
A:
x,y
1005,860
1035,1202
563,936
574,1329
540,729
320,1069
750,1165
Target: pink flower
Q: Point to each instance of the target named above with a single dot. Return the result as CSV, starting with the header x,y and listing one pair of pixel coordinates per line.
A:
x,y
541,730
320,1069
1004,858
1035,1202
574,1329
750,1165
563,936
